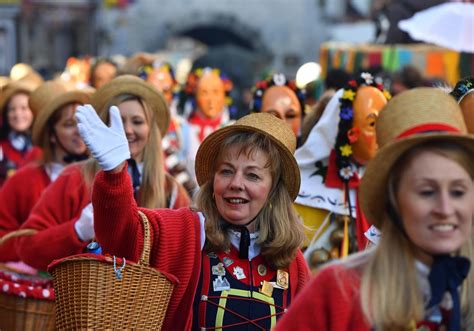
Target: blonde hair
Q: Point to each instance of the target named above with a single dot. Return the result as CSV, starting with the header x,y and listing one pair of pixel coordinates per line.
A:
x,y
390,295
152,187
281,231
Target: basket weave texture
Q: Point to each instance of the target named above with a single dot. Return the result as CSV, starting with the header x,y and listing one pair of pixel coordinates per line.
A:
x,y
90,296
25,314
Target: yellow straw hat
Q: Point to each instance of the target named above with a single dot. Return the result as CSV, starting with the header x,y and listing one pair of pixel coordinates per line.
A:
x,y
10,90
409,119
275,129
128,84
64,98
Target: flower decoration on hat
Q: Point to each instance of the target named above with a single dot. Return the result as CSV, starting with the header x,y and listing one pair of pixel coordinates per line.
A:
x,y
277,79
344,141
462,88
187,94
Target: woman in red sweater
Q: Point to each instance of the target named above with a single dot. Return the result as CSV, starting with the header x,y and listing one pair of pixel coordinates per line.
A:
x,y
419,190
63,216
237,259
55,132
15,128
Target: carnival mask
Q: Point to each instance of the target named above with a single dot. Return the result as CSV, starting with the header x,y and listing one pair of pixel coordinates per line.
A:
x,y
210,95
283,103
367,105
467,107
161,78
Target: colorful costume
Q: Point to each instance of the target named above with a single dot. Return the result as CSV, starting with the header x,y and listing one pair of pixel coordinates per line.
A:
x,y
169,230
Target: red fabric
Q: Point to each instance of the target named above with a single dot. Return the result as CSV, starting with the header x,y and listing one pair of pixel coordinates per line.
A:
x,y
17,198
26,286
427,128
362,225
54,216
17,157
176,242
332,176
205,125
330,302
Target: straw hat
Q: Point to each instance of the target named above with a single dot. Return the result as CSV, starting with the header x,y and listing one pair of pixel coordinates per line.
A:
x,y
275,129
409,119
59,100
128,84
46,92
11,89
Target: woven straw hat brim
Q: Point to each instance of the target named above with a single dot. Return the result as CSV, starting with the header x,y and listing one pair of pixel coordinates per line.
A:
x,y
209,149
12,89
373,188
128,84
39,131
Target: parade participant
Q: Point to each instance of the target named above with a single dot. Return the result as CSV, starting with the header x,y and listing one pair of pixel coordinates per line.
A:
x,y
55,132
418,190
15,132
206,101
332,161
63,216
463,92
102,71
180,142
237,260
282,98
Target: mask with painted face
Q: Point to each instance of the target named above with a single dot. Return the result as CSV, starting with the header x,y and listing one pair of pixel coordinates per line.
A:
x,y
367,105
210,95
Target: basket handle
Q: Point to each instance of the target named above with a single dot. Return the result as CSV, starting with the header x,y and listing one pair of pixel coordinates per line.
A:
x,y
17,233
145,256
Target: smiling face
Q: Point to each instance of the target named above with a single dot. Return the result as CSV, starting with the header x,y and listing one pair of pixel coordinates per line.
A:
x,y
242,184
136,127
435,199
19,114
210,95
367,105
282,102
66,137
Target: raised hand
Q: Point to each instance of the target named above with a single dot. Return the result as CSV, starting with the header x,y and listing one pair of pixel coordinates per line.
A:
x,y
108,145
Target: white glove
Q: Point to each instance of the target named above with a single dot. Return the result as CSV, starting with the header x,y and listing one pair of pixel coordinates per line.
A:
x,y
84,226
108,145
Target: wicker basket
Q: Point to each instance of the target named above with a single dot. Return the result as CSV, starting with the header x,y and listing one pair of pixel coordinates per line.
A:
x,y
20,313
25,314
89,294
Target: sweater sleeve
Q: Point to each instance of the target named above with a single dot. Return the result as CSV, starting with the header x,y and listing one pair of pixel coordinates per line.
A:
x,y
175,240
17,198
329,303
53,217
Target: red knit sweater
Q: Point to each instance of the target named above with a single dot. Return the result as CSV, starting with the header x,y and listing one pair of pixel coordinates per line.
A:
x,y
330,302
16,157
176,242
17,198
54,216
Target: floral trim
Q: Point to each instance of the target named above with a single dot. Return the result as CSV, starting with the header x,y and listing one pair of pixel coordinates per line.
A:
x,y
462,88
343,144
277,79
187,94
145,70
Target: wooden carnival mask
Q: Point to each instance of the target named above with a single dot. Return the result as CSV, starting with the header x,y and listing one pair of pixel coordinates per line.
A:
x,y
162,79
367,105
210,95
467,107
283,103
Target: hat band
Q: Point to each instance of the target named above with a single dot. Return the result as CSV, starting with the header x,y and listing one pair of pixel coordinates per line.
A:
x,y
427,128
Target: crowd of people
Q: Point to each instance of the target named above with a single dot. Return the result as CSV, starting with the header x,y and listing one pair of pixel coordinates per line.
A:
x,y
352,213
